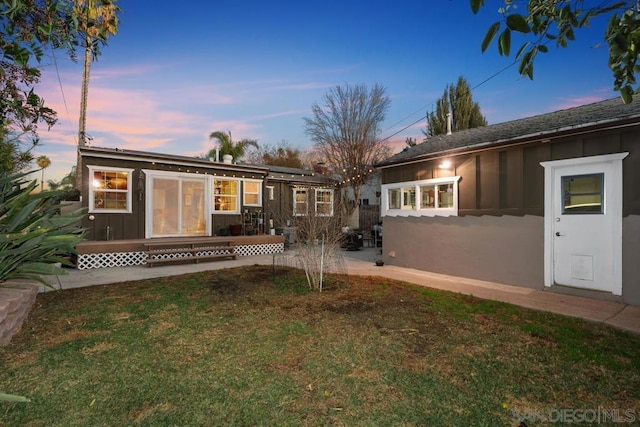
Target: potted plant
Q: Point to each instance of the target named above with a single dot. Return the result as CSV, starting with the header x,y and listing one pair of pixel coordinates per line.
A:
x,y
235,229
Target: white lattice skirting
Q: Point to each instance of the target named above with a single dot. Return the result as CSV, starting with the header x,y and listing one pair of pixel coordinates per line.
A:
x,y
262,249
111,259
126,259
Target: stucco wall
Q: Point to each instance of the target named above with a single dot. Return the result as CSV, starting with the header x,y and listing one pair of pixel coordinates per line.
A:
x,y
503,249
631,259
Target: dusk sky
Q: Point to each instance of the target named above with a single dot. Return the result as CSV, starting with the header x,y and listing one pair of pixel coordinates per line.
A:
x,y
176,71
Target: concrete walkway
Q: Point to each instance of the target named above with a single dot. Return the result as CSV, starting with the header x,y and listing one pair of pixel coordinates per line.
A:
x,y
362,263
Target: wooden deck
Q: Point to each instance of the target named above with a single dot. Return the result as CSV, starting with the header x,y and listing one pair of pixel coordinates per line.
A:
x,y
124,253
202,250
138,245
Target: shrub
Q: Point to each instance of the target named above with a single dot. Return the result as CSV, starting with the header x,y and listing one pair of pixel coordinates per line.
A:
x,y
35,237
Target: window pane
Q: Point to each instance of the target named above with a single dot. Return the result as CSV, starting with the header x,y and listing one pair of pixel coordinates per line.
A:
x,y
193,221
300,202
98,199
111,180
409,198
110,190
252,192
324,202
323,196
445,195
225,203
165,206
115,200
225,195
394,198
427,197
228,187
324,209
251,187
583,194
251,199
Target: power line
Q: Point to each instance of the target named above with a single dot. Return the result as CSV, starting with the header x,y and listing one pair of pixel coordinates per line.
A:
x,y
64,99
494,75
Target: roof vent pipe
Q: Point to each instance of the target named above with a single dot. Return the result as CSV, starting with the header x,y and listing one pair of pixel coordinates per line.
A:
x,y
217,155
448,123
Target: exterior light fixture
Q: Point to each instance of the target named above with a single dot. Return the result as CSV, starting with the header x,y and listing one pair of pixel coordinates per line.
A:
x,y
445,164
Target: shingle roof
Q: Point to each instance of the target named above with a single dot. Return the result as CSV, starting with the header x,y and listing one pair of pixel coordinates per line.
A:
x,y
296,175
541,126
115,153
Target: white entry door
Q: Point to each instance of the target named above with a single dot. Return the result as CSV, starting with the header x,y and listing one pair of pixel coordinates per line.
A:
x,y
584,222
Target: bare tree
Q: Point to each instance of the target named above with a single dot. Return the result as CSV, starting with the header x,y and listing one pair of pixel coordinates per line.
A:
x,y
344,131
281,154
317,250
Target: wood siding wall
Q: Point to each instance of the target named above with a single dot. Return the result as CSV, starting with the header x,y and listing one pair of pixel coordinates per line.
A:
x,y
510,180
281,207
122,226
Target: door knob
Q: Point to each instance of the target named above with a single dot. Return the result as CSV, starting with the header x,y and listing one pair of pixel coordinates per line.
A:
x,y
559,234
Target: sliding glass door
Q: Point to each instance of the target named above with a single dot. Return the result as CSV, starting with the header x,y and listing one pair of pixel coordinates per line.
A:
x,y
177,205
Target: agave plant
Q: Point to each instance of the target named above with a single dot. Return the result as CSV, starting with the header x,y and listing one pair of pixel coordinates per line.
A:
x,y
12,398
35,237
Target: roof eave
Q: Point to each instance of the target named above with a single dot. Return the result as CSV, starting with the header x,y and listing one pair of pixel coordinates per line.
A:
x,y
522,139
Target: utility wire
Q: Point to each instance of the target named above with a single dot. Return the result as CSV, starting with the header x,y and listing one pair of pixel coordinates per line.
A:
x,y
64,99
494,75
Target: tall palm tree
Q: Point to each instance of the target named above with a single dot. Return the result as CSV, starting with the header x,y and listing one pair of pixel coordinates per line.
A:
x,y
226,145
99,21
43,163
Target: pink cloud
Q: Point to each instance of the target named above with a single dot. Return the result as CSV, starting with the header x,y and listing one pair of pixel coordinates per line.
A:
x,y
576,102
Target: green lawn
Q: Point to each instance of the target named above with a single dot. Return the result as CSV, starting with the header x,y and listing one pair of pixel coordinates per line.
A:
x,y
247,346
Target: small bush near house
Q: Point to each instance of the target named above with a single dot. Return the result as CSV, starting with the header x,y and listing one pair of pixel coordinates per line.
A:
x,y
34,234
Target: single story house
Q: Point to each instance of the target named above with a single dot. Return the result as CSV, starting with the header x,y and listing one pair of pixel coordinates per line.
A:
x,y
545,202
133,197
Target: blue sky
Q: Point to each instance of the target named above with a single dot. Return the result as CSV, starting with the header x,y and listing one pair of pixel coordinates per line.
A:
x,y
175,72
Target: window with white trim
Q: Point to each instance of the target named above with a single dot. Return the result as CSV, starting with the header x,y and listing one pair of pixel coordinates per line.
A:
x,y
429,197
300,199
110,190
252,194
324,202
226,196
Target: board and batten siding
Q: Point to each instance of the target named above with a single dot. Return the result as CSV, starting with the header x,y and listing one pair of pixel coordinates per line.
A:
x,y
499,232
509,180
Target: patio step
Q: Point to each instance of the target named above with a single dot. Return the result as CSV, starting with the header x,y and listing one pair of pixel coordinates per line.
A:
x,y
16,300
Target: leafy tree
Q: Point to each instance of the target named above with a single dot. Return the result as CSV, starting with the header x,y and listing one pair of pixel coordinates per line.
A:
x,y
457,101
98,21
226,145
281,154
34,235
66,187
43,162
345,130
67,182
547,21
12,157
27,29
